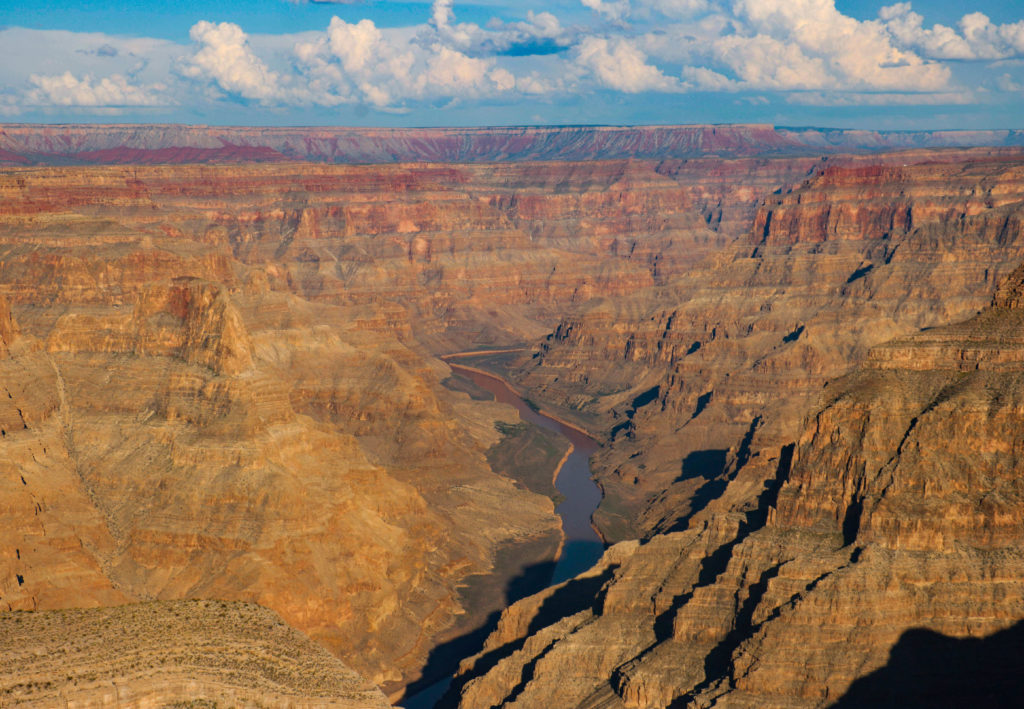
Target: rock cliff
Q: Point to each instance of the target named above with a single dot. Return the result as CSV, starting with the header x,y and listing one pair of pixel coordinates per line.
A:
x,y
219,382
890,522
691,378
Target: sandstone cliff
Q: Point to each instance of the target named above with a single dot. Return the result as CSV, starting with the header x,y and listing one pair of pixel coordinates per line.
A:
x,y
218,381
895,511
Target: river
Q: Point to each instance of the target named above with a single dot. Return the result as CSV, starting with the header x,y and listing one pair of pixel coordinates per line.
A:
x,y
582,546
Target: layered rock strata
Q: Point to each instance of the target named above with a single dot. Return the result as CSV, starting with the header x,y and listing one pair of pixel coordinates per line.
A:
x,y
896,511
168,654
692,378
480,255
218,381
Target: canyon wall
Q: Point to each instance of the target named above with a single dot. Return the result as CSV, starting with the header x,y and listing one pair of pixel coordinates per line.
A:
x,y
219,381
874,560
691,379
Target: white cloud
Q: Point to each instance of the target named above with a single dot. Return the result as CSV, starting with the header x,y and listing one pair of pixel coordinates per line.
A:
x,y
620,65
356,45
541,33
226,58
612,9
68,90
855,55
907,28
796,45
705,79
386,68
979,37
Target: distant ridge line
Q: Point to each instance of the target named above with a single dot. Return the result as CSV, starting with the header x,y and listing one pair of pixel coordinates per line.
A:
x,y
23,144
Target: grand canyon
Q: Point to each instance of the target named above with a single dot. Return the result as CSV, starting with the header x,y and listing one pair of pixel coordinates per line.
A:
x,y
250,456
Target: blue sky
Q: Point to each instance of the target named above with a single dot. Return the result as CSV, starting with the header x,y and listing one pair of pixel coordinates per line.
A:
x,y
843,63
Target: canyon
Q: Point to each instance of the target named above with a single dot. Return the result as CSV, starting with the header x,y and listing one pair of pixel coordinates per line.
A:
x,y
224,382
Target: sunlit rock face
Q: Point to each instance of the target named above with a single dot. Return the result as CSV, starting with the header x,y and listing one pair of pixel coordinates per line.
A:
x,y
219,380
693,378
171,653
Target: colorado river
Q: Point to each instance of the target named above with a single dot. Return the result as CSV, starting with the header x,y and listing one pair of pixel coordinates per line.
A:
x,y
582,546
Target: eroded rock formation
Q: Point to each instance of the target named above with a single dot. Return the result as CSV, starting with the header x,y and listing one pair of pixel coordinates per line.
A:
x,y
895,510
27,144
692,378
218,381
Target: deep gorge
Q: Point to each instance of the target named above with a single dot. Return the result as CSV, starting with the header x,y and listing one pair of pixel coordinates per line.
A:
x,y
225,385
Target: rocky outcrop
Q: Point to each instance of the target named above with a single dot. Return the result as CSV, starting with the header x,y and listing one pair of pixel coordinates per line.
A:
x,y
895,511
692,378
169,653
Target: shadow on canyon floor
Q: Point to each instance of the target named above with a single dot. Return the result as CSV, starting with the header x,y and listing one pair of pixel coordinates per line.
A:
x,y
576,595
927,669
444,659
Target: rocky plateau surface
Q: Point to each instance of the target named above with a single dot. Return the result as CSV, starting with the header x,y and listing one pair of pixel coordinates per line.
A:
x,y
171,653
33,144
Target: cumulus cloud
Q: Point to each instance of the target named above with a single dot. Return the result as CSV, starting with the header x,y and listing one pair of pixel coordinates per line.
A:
x,y
619,65
68,90
612,9
979,38
226,58
541,33
907,27
361,62
807,50
800,45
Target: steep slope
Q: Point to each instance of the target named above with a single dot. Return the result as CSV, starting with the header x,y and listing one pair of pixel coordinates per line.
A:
x,y
897,509
169,653
693,377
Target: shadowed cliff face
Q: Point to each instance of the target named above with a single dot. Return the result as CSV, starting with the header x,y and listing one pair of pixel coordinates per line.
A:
x,y
739,346
897,508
